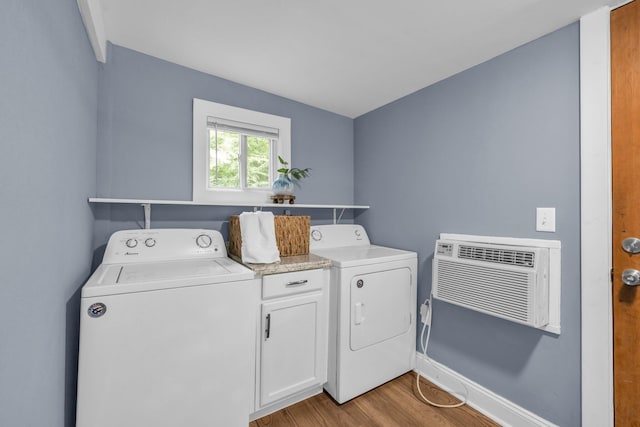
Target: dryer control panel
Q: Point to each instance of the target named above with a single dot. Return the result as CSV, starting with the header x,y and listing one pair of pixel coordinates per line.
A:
x,y
163,244
337,235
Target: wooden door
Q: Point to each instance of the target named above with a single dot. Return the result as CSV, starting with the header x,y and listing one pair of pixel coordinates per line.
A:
x,y
625,121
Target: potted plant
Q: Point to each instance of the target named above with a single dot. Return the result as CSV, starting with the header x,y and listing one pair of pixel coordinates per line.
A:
x,y
284,184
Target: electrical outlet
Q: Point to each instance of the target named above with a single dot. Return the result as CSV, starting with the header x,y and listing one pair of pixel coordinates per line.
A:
x,y
546,219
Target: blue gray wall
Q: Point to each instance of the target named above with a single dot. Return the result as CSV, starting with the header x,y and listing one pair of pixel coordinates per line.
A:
x,y
48,125
476,154
145,142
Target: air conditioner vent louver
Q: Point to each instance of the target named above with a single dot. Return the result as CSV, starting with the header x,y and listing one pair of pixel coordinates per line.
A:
x,y
500,256
472,285
509,282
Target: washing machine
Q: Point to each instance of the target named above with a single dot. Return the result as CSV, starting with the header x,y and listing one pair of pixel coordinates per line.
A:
x,y
373,299
166,331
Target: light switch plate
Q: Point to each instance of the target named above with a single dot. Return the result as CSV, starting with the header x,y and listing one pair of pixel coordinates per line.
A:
x,y
546,219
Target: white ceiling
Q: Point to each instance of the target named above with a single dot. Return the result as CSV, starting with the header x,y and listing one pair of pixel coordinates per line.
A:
x,y
344,56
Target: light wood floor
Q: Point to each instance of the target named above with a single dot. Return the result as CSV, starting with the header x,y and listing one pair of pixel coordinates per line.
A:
x,y
396,403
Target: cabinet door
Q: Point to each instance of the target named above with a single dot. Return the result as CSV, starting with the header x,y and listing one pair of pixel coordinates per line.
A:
x,y
291,345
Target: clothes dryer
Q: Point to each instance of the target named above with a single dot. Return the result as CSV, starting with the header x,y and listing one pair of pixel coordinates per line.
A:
x,y
373,299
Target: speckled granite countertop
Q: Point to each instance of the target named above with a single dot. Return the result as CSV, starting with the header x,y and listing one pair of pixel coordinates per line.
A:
x,y
287,264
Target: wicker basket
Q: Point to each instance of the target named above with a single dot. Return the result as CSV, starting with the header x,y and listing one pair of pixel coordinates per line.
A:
x,y
292,235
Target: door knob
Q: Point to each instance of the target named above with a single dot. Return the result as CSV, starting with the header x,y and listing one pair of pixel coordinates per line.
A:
x,y
631,245
631,277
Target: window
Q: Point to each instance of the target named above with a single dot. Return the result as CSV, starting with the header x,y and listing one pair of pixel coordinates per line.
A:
x,y
235,152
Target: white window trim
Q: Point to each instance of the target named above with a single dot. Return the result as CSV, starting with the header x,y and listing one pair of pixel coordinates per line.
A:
x,y
203,109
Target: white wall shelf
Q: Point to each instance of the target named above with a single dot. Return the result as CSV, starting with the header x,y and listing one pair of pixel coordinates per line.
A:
x,y
146,204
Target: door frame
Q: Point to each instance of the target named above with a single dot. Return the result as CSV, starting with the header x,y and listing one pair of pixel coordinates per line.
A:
x,y
596,218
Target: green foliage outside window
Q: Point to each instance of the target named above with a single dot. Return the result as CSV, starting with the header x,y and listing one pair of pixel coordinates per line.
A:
x,y
224,160
258,159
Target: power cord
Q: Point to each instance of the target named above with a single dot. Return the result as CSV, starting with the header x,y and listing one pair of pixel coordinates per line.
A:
x,y
426,320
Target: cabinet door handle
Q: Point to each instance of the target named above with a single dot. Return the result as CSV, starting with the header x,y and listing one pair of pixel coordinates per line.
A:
x,y
296,283
267,330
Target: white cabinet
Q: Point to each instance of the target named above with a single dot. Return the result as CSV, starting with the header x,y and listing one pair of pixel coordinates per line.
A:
x,y
292,348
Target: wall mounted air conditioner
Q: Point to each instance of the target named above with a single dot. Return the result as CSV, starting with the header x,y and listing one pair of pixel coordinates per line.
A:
x,y
510,281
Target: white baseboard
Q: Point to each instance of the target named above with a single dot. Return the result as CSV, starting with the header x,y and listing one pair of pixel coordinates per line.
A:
x,y
499,409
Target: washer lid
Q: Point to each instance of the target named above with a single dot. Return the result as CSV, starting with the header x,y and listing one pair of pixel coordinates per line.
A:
x,y
350,256
141,273
111,279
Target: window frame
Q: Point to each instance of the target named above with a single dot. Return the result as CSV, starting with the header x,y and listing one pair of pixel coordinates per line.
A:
x,y
202,110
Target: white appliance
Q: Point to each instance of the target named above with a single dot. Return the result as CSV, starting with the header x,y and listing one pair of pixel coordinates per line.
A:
x,y
373,299
166,333
510,282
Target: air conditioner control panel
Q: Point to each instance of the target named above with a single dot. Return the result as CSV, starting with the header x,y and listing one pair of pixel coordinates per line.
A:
x,y
445,249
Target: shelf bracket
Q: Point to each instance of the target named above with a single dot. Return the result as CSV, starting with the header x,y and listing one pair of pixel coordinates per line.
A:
x,y
337,219
147,215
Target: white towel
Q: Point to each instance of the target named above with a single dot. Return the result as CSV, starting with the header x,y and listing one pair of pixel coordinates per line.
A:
x,y
258,238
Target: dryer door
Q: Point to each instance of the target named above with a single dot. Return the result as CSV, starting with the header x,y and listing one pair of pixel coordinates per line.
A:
x,y
380,306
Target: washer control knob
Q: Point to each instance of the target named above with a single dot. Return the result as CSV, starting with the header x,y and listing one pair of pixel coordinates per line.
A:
x,y
131,243
203,241
150,242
